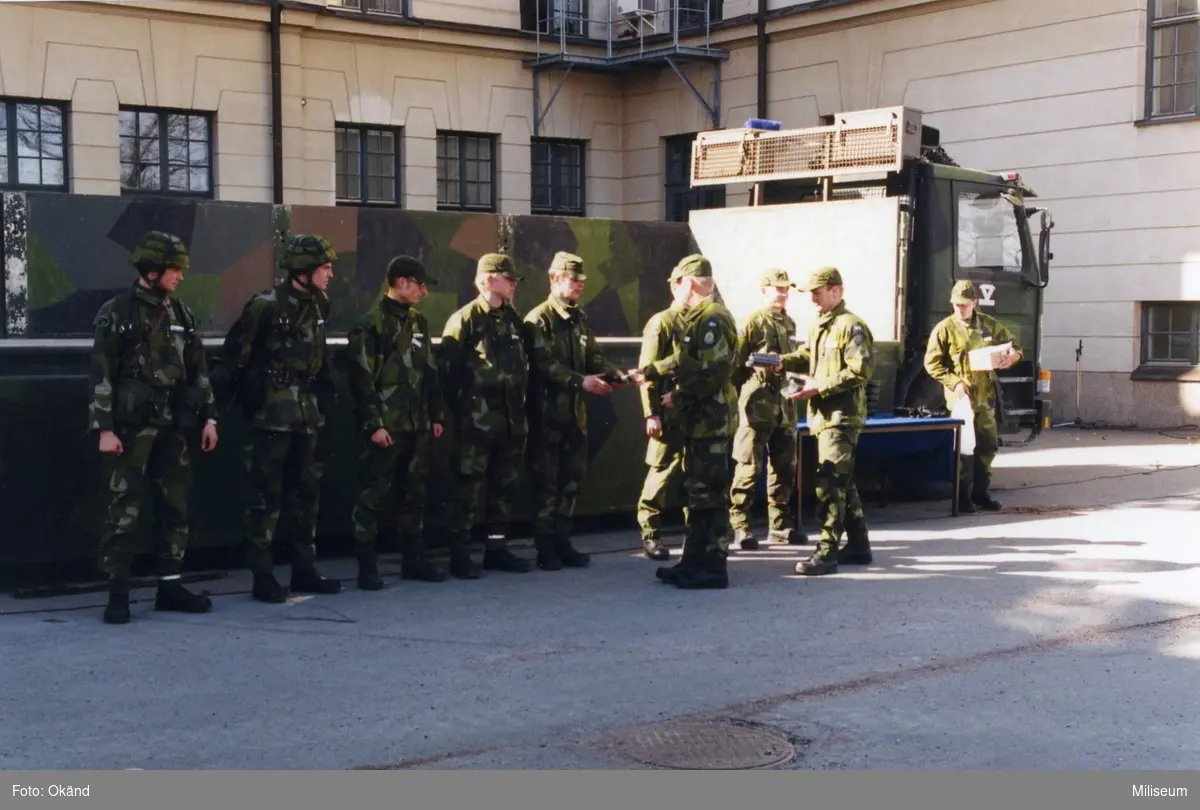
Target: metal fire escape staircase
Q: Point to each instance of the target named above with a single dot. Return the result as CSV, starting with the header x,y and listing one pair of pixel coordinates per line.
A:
x,y
618,37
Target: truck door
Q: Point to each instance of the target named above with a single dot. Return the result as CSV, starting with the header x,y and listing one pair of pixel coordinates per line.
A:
x,y
992,248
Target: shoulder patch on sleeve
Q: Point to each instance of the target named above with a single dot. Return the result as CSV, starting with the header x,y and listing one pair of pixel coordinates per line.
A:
x,y
858,334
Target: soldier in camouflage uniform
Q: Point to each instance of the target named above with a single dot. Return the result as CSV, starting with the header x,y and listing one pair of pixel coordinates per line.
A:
x,y
946,360
393,380
699,406
660,339
280,359
838,360
483,368
565,362
150,391
768,419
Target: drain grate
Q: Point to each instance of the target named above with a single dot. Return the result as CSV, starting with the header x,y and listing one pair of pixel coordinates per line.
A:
x,y
701,745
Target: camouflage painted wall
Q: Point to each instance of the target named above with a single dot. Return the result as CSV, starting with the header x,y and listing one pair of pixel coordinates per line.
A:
x,y
76,249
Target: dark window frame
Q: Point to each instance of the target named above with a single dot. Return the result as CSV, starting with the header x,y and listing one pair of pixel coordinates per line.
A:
x,y
555,177
164,163
679,197
540,16
493,150
10,133
1154,24
397,134
1148,333
365,7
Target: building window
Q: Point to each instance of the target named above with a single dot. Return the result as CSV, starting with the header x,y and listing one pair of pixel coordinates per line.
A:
x,y
372,6
368,165
698,13
1169,334
32,153
166,152
681,197
466,172
557,186
1171,53
552,16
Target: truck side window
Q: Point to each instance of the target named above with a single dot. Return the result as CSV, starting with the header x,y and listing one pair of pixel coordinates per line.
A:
x,y
988,237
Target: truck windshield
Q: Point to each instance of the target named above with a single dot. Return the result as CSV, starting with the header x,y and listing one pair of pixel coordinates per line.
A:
x,y
988,235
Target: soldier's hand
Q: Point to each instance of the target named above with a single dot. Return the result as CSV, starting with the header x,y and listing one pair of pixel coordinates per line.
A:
x,y
653,427
382,438
636,376
807,391
961,390
437,430
110,444
668,400
594,385
208,438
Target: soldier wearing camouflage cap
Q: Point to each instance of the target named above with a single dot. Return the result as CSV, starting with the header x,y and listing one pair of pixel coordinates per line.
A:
x,y
565,364
768,419
483,369
686,369
150,392
398,401
947,361
277,357
837,360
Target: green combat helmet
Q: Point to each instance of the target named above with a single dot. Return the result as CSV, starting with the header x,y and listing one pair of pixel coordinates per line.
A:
x,y
304,253
156,252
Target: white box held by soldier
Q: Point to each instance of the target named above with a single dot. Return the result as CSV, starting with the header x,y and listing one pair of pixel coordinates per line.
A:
x,y
988,358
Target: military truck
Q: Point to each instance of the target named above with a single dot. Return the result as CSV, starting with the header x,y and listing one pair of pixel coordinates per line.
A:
x,y
874,194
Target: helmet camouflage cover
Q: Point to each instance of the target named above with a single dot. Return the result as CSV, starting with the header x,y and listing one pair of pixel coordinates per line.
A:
x,y
305,253
157,251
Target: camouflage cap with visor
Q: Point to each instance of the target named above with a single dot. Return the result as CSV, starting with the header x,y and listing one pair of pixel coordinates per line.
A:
x,y
568,263
963,293
822,277
695,266
775,277
498,263
408,267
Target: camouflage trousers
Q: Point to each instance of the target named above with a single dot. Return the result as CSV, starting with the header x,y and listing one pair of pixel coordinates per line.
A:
x,y
987,444
558,461
750,445
152,457
702,465
392,492
283,468
838,506
493,466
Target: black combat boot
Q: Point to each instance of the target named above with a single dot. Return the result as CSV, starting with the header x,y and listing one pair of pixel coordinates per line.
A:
x,y
965,486
711,573
654,548
818,565
505,560
979,489
267,588
307,579
746,540
691,559
416,566
547,554
173,596
571,557
368,572
117,610
858,544
463,567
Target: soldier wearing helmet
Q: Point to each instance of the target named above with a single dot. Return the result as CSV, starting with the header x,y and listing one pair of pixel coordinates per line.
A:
x,y
277,353
150,390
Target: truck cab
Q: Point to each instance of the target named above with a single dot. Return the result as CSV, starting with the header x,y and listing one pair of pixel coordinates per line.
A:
x,y
876,195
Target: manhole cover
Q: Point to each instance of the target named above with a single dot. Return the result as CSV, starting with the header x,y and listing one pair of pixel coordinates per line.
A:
x,y
699,745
